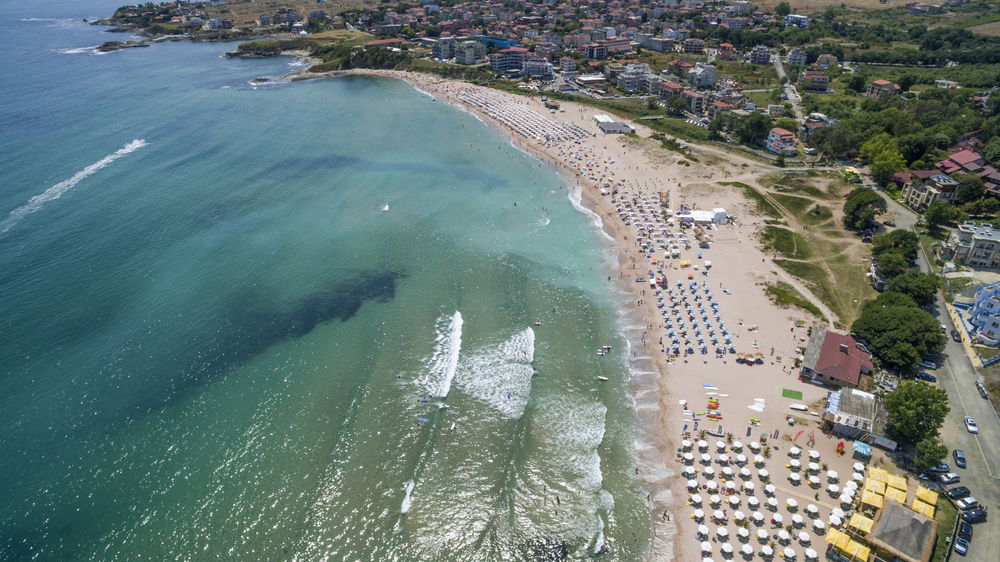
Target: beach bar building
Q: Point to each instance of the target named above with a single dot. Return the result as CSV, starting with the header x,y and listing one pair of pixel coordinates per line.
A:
x,y
609,126
835,359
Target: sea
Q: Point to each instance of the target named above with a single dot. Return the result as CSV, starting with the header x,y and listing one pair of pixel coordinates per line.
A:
x,y
325,320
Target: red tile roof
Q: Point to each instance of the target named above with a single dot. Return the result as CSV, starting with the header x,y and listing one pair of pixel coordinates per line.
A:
x,y
840,362
964,157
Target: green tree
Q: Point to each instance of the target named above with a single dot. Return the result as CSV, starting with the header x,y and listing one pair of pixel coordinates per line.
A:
x,y
753,128
883,156
970,188
677,105
940,213
921,287
987,206
890,264
861,208
856,83
780,161
887,299
930,451
915,411
905,242
899,336
991,151
782,9
787,124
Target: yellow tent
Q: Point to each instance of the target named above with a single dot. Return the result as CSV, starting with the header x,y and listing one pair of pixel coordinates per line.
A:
x,y
871,498
837,538
922,508
861,523
857,550
878,474
897,482
898,496
927,496
874,486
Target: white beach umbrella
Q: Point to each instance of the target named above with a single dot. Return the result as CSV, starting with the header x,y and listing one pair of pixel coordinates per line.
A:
x,y
783,535
795,451
846,499
791,503
772,502
858,467
858,477
688,457
813,467
739,515
769,489
754,445
686,444
795,464
811,508
720,445
706,546
707,559
695,499
804,537
727,471
833,489
766,550
794,476
692,483
734,501
717,514
726,547
702,444
832,475
747,550
711,485
709,471
835,521
753,502
730,485
723,458
714,499
749,486
819,525
761,534
797,519
777,518
741,458
814,480
688,470
811,554
705,457
763,474
722,531
743,532
702,530
699,514
838,512
813,454
788,553
851,485
737,445
757,459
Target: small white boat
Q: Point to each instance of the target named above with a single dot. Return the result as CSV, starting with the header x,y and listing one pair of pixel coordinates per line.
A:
x,y
385,208
600,378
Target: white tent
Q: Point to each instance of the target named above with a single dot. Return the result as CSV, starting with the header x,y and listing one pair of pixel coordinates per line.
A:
x,y
811,554
722,531
702,444
753,502
747,550
737,445
769,489
734,501
739,515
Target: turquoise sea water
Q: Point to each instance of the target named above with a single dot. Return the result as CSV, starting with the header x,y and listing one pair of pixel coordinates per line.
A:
x,y
222,305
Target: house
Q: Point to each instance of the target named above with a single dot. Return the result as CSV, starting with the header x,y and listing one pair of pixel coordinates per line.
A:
x,y
567,64
694,45
922,192
827,60
659,44
760,54
984,316
702,76
696,101
970,162
859,415
717,108
796,57
797,20
781,141
975,245
508,59
727,52
814,80
834,358
670,90
609,126
880,88
812,123
775,110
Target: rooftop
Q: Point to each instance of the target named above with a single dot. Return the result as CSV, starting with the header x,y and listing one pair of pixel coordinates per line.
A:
x,y
981,231
904,532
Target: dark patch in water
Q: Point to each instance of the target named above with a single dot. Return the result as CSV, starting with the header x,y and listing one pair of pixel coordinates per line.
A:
x,y
546,549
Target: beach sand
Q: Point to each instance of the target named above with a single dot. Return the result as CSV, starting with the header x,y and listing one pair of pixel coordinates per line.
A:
x,y
620,175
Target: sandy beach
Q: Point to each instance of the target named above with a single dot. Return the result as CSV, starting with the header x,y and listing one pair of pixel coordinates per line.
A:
x,y
709,310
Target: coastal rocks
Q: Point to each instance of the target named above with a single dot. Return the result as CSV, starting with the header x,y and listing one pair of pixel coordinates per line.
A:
x,y
109,46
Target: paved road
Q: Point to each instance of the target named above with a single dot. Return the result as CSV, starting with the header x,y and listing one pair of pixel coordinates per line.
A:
x,y
957,376
790,92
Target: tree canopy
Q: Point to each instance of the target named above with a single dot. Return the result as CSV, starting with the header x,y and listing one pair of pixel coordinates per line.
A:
x,y
899,336
915,411
754,128
904,242
891,263
861,208
930,452
883,156
921,287
970,188
940,213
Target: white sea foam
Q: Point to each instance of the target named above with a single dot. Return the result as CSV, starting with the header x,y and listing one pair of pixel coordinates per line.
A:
x,y
443,362
576,199
405,506
500,375
599,542
56,191
78,50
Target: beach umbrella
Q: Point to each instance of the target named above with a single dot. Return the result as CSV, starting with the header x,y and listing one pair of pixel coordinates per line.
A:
x,y
707,559
702,444
791,503
714,499
741,458
747,550
813,467
811,554
835,521
722,531
797,519
737,445
763,474
814,480
762,534
788,553
688,457
857,477
772,502
749,486
753,502
706,546
723,458
795,464
711,485
720,445
812,509
783,535
813,454
739,515
686,444
706,458
726,547
851,485
832,475
804,537
766,551
777,518
727,471
689,470
757,459
730,485
769,489
734,501
692,483
833,489
709,471
702,530
757,516
745,472
718,515
819,525
794,477
846,498
858,467
695,499
795,451
699,514
754,445
838,512
743,532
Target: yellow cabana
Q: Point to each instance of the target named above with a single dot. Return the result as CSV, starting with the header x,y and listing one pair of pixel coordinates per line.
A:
x,y
837,538
874,486
927,496
922,508
861,523
898,496
857,550
897,482
871,498
878,474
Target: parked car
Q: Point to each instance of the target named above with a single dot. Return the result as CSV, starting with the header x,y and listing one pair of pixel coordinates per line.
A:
x,y
974,516
958,492
956,336
943,467
948,478
965,530
965,504
926,377
889,223
929,364
982,389
961,546
970,425
959,456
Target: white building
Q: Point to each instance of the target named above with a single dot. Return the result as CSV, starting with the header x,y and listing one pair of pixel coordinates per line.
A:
x,y
634,76
985,315
715,216
702,76
609,126
796,57
470,52
443,48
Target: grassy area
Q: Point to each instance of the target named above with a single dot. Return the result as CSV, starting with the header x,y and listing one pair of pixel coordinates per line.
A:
x,y
764,206
991,380
796,205
945,516
785,295
787,243
752,76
